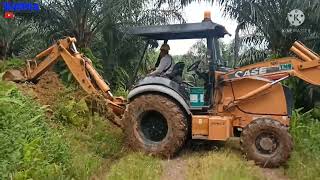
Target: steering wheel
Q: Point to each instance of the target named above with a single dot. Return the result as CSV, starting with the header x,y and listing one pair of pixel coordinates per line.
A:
x,y
193,66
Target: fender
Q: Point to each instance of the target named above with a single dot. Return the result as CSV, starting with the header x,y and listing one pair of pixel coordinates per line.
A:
x,y
161,89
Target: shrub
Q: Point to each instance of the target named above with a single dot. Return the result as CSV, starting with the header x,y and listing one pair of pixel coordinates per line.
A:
x,y
11,63
305,131
305,160
71,111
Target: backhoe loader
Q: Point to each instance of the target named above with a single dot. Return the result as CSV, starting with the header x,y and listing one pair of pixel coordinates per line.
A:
x,y
160,113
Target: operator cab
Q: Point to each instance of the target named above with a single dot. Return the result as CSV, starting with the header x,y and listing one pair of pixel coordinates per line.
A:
x,y
198,98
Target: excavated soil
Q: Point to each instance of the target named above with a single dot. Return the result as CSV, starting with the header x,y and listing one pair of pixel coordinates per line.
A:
x,y
49,87
46,90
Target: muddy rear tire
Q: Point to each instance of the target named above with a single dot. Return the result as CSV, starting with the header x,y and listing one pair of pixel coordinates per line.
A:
x,y
267,142
155,124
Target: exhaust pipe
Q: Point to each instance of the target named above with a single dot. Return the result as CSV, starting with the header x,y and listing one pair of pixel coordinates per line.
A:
x,y
303,52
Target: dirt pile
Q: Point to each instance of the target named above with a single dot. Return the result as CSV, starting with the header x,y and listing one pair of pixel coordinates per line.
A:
x,y
49,87
46,90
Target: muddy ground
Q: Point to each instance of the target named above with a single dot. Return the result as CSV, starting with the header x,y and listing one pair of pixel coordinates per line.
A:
x,y
45,90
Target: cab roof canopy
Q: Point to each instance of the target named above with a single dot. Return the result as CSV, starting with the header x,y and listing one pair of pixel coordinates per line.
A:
x,y
201,30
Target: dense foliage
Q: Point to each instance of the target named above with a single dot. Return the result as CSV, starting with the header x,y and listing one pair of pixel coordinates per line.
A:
x,y
265,30
28,146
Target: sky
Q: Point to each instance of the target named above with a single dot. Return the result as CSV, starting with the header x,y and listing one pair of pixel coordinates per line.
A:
x,y
194,13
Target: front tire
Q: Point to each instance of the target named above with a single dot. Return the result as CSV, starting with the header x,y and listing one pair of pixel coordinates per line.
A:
x,y
155,124
267,142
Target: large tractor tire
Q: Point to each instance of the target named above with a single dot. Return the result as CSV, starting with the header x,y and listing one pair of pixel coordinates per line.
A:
x,y
267,142
155,124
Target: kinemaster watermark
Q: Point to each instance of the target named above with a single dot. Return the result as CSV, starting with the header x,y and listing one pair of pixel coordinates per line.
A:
x,y
10,8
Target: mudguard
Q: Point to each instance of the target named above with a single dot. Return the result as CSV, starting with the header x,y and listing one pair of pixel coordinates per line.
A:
x,y
164,86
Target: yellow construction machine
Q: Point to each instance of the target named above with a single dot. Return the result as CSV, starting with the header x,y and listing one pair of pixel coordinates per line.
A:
x,y
161,113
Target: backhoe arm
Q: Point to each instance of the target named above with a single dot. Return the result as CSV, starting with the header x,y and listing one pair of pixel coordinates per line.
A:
x,y
81,68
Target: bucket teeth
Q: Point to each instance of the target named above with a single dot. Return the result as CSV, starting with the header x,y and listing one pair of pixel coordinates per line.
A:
x,y
14,75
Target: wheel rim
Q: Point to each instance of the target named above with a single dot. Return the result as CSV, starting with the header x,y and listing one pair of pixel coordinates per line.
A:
x,y
267,143
153,126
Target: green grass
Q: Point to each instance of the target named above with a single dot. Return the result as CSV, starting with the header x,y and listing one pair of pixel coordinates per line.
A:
x,y
305,159
72,144
11,63
93,140
136,166
220,166
92,146
28,147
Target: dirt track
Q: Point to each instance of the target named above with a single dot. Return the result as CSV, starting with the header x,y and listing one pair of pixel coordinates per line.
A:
x,y
176,168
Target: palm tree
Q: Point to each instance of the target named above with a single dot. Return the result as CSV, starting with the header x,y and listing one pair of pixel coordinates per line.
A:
x,y
14,37
78,18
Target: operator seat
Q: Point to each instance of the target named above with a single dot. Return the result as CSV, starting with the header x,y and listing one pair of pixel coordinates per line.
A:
x,y
176,74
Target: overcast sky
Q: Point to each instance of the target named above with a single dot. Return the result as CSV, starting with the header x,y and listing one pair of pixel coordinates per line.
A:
x,y
194,13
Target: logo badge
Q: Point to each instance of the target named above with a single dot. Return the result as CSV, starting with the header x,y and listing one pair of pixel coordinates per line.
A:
x,y
8,15
10,8
296,17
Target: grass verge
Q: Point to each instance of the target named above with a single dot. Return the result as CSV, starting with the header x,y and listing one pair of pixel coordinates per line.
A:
x,y
92,147
136,166
305,160
221,165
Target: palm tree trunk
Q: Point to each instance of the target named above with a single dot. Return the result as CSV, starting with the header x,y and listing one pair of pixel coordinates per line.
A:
x,y
5,50
237,43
